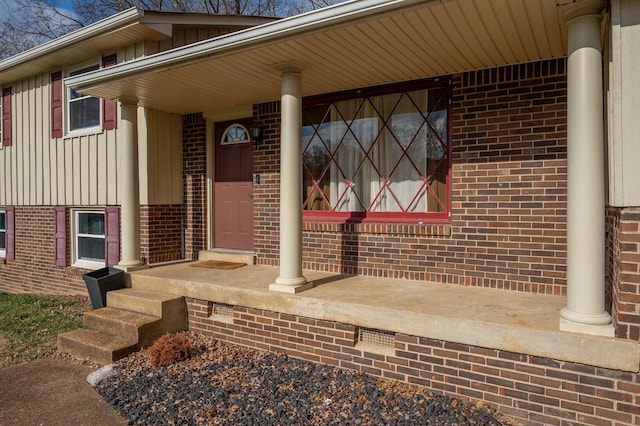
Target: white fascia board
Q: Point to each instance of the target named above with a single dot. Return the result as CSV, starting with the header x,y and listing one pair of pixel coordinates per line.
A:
x,y
106,25
322,19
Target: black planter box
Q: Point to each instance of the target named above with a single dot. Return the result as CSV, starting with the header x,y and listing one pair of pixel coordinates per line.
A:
x,y
100,281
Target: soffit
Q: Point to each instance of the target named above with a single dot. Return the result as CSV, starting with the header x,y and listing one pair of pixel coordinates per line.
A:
x,y
428,40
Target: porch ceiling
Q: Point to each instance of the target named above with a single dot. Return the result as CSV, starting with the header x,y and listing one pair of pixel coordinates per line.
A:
x,y
355,44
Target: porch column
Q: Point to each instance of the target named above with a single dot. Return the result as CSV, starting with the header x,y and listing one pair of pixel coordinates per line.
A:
x,y
585,310
128,187
291,279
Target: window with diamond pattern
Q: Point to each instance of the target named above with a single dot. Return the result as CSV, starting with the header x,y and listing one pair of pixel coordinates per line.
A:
x,y
379,154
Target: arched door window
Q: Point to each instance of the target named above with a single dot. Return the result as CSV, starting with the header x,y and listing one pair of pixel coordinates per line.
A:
x,y
235,133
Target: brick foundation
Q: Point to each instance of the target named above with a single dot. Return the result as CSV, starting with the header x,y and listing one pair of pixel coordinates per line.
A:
x,y
34,270
161,237
623,270
537,391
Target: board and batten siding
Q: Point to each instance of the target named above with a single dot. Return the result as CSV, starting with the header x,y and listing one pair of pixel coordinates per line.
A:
x,y
41,170
160,157
81,169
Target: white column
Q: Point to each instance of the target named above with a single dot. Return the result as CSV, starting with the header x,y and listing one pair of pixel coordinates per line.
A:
x,y
291,279
128,191
585,310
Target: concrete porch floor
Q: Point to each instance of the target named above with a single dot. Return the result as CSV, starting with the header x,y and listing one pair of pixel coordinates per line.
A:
x,y
499,319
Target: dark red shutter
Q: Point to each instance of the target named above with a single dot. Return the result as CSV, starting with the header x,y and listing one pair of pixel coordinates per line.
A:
x,y
56,105
112,235
6,116
10,232
61,235
109,107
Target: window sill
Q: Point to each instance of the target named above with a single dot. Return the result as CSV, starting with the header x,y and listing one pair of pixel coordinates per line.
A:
x,y
404,229
84,264
83,132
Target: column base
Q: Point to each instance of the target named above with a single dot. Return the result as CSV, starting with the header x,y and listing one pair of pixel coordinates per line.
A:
x,y
293,289
131,266
598,324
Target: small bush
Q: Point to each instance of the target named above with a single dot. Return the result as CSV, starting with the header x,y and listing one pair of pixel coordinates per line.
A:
x,y
169,349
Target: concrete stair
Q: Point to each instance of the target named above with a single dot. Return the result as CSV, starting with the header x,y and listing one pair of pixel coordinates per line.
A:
x,y
133,319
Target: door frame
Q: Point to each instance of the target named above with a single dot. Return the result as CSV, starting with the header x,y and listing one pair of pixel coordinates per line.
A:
x,y
211,117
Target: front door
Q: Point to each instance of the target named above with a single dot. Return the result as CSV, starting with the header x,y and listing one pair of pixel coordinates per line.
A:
x,y
233,196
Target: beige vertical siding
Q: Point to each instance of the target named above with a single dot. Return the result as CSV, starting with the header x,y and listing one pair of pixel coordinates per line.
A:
x,y
81,169
39,170
624,107
160,149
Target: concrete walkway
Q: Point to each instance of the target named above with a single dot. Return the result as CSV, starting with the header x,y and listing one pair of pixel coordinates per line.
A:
x,y
500,319
52,392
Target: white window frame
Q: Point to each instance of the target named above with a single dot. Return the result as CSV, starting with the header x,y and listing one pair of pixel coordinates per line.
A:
x,y
234,140
3,251
95,65
75,234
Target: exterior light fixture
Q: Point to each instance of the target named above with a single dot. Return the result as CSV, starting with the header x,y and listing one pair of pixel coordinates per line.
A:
x,y
256,133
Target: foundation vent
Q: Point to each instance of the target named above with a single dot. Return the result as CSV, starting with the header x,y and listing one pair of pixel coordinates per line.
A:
x,y
221,311
380,338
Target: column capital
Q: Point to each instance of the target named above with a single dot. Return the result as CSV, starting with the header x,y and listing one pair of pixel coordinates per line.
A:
x,y
577,9
290,67
128,100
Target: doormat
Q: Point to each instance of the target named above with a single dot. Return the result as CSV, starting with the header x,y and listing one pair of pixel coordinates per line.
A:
x,y
218,264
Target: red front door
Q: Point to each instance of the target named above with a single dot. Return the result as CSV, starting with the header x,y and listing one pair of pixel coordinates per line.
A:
x,y
233,196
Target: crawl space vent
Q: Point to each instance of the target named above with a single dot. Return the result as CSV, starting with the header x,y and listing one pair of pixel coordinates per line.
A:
x,y
385,339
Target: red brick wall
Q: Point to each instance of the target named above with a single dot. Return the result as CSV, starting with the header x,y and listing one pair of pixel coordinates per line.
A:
x,y
266,200
534,390
161,238
508,221
34,270
623,270
194,158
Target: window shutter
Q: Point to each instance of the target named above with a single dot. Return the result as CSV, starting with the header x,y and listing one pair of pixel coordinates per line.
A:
x,y
61,235
109,107
10,232
112,235
56,105
6,116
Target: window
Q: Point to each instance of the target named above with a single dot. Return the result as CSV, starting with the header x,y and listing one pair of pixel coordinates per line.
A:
x,y
3,233
83,110
89,238
236,133
379,154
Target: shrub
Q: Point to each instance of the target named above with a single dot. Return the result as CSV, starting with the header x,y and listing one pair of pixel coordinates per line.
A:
x,y
169,349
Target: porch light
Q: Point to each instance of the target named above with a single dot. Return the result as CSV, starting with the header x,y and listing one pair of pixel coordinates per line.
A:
x,y
256,133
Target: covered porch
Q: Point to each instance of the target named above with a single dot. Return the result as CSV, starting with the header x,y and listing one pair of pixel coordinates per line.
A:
x,y
506,321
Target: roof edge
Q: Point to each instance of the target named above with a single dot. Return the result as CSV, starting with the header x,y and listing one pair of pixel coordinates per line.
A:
x,y
120,19
309,22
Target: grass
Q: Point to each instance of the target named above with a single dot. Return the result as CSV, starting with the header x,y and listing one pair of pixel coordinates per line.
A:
x,y
29,324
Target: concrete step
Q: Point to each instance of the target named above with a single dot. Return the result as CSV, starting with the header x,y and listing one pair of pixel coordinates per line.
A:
x,y
128,325
97,346
133,319
228,255
146,301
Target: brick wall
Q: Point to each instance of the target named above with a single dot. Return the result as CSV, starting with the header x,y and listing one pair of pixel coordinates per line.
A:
x,y
537,391
623,270
266,200
161,238
194,161
508,226
34,270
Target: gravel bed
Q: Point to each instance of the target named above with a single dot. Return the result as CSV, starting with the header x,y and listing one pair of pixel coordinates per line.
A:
x,y
231,385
